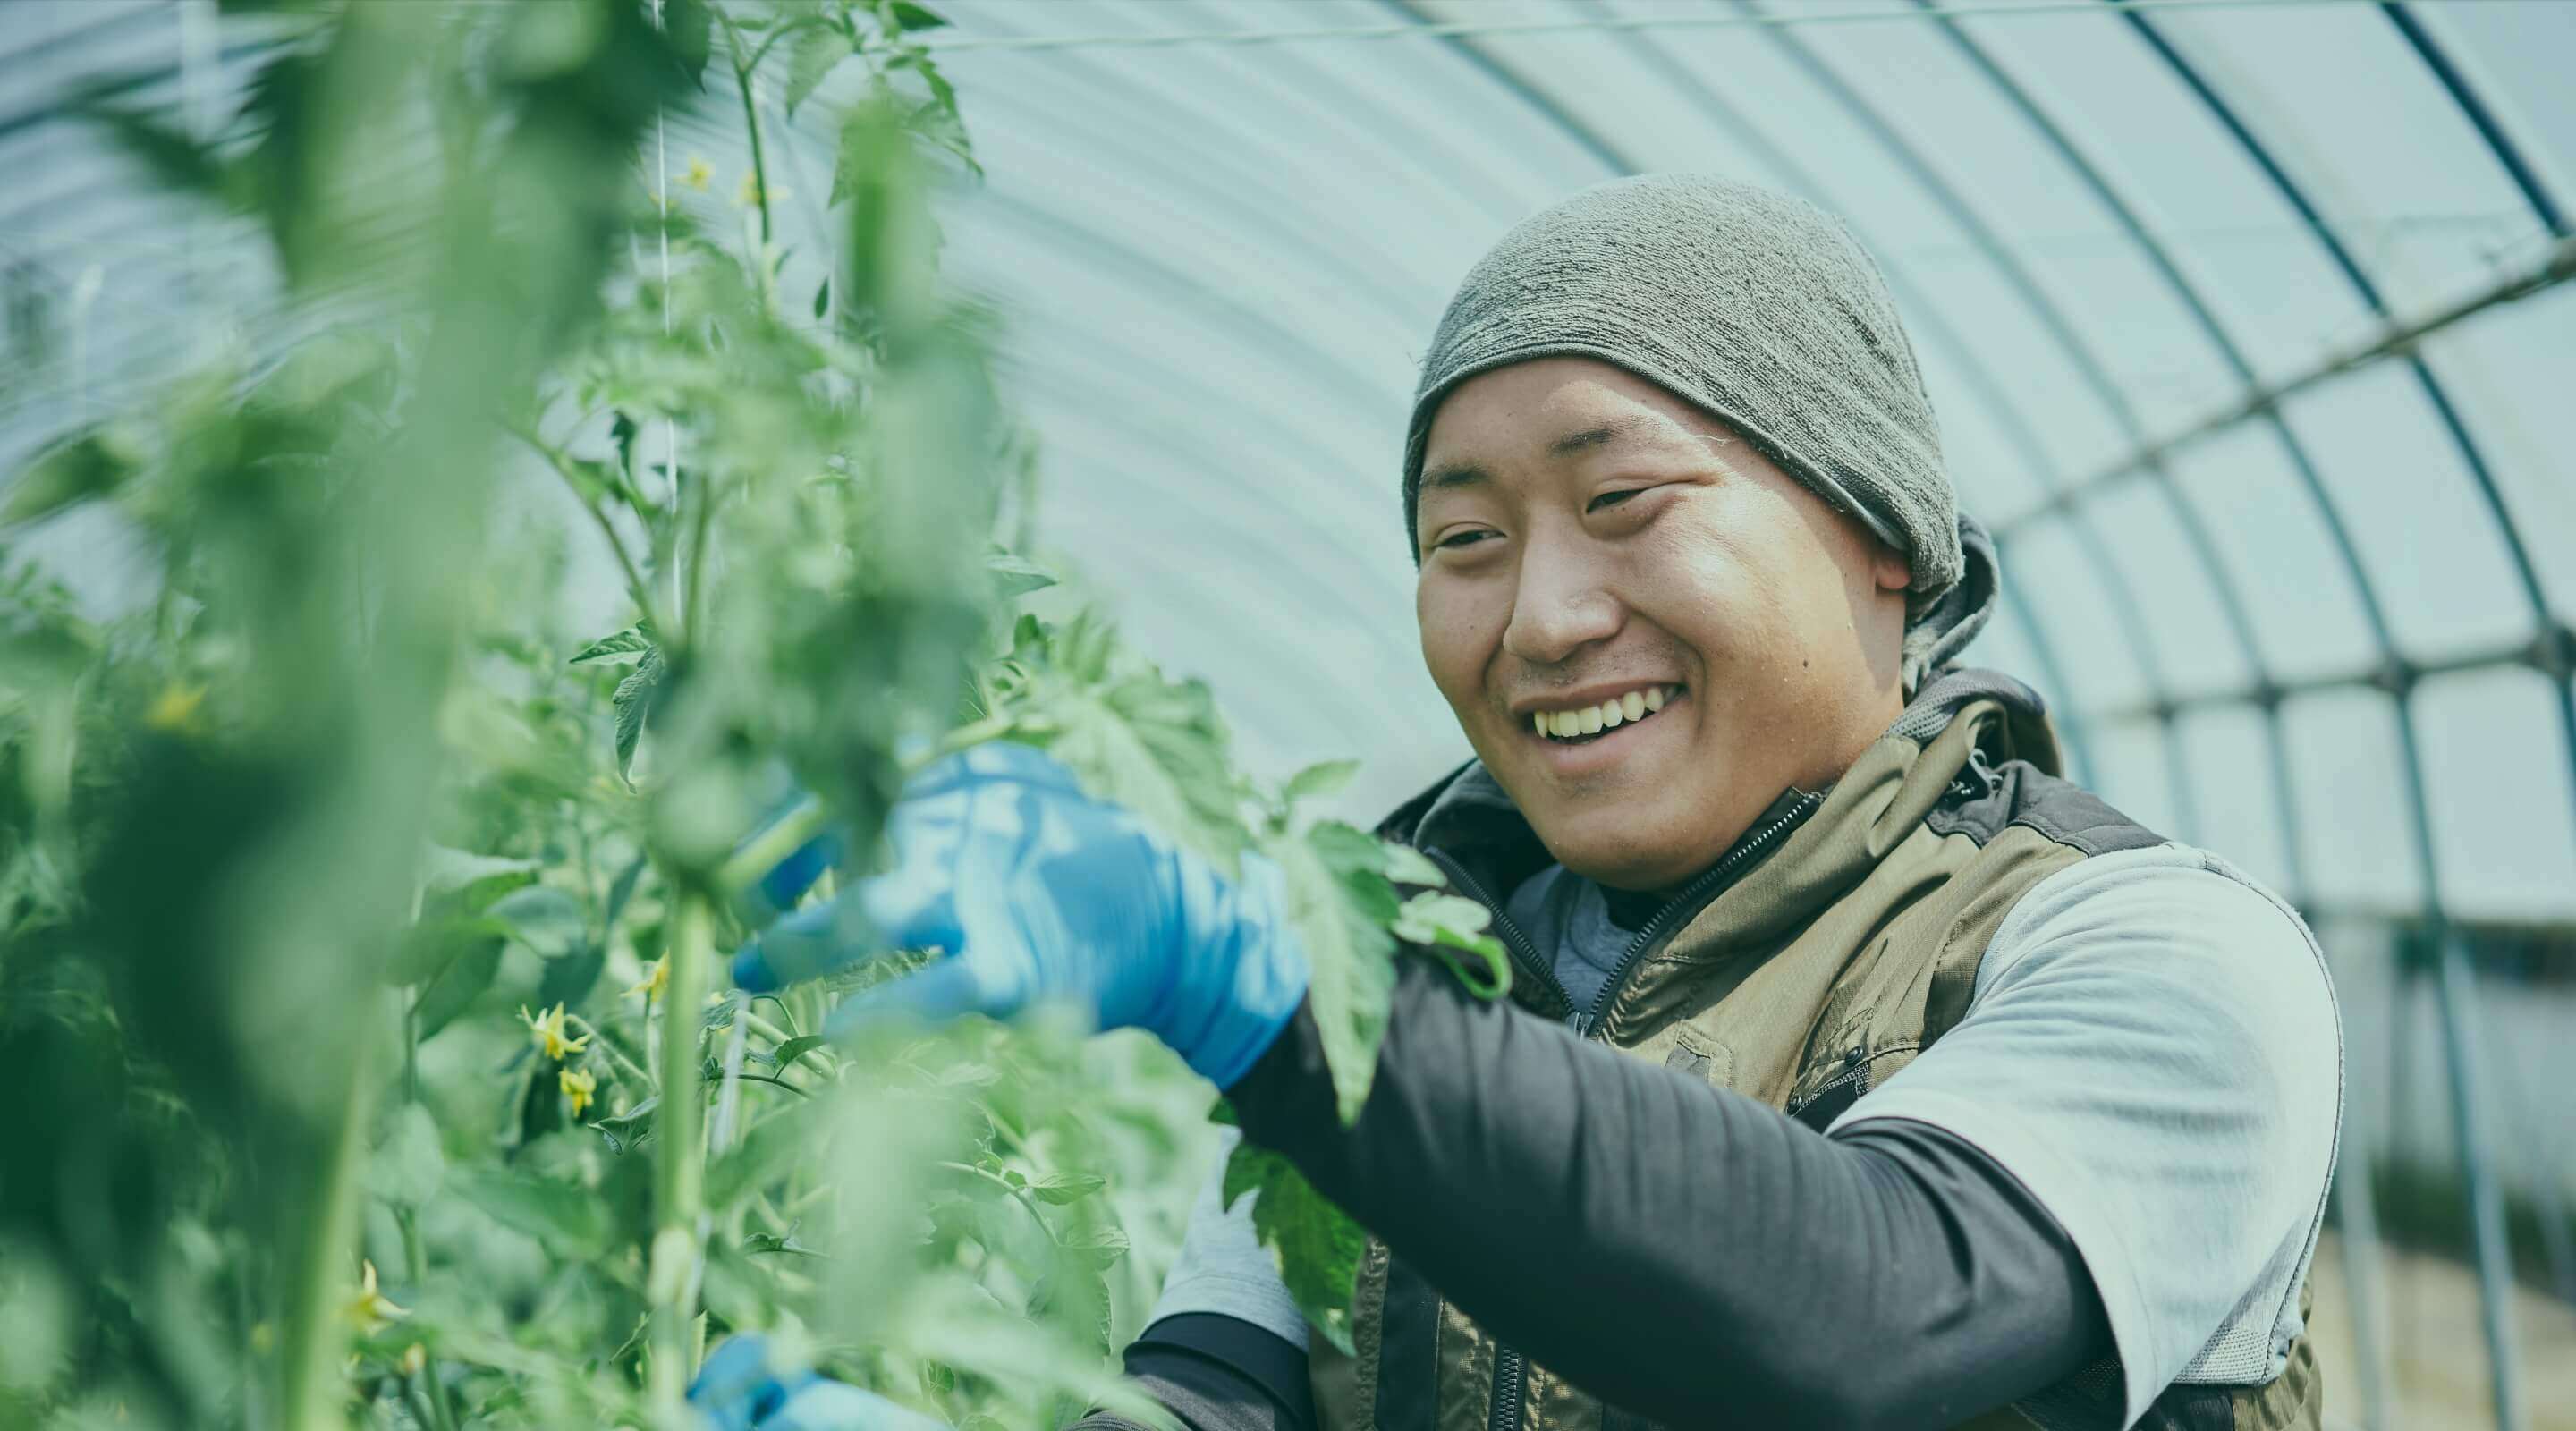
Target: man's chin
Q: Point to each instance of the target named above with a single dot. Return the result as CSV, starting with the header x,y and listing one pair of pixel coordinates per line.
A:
x,y
1614,847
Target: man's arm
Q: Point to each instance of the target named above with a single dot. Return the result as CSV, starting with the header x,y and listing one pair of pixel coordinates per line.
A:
x,y
1684,1252
1217,1373
2134,1122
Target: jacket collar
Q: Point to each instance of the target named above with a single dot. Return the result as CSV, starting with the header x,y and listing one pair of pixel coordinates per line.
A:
x,y
1468,816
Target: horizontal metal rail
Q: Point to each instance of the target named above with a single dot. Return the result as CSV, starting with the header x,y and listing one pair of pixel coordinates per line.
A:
x,y
2555,265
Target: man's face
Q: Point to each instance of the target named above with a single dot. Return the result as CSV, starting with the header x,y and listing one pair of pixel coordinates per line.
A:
x,y
1586,537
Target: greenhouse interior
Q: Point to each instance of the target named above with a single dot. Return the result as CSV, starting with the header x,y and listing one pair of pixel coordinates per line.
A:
x,y
499,503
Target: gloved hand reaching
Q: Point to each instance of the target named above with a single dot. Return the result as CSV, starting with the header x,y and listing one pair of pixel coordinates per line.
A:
x,y
1039,892
739,1390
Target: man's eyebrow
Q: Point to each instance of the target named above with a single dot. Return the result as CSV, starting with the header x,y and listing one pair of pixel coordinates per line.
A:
x,y
1456,474
1606,433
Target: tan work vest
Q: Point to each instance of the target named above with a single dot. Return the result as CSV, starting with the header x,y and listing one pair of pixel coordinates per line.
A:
x,y
1810,979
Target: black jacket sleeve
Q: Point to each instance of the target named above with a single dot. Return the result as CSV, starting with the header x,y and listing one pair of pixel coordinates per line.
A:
x,y
1217,1373
1683,1252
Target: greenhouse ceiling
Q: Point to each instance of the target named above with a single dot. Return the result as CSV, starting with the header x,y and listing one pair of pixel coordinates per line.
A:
x,y
2246,323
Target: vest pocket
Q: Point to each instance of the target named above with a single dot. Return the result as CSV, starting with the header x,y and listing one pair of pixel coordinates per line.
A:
x,y
1702,1057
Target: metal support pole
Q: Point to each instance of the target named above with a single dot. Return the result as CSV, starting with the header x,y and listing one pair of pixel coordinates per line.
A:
x,y
2456,990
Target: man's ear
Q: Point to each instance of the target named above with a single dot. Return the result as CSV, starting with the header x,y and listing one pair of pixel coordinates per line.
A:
x,y
1889,567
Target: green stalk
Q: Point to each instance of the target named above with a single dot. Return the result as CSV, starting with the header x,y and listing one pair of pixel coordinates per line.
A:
x,y
316,1338
742,72
425,1384
679,1168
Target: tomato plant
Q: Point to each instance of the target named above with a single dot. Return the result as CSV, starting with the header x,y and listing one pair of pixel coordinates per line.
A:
x,y
363,912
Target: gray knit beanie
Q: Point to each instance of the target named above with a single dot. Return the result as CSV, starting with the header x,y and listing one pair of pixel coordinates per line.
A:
x,y
1761,309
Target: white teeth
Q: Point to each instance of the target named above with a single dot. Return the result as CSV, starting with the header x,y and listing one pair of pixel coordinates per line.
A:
x,y
1592,720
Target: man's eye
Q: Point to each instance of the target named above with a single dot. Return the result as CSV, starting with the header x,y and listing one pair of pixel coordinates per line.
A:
x,y
1458,539
1612,499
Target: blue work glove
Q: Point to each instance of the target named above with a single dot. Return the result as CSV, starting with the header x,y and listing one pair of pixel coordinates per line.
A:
x,y
1039,892
739,1390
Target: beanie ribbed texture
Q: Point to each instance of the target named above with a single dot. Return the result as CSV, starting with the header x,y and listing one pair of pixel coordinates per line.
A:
x,y
1754,305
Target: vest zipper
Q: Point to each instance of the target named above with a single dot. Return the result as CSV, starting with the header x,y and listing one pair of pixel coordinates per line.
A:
x,y
1691,900
1511,1369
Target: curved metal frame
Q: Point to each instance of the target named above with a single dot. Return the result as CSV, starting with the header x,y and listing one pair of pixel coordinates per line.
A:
x,y
2552,651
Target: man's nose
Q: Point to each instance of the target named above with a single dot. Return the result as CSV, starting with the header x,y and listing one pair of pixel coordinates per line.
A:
x,y
1559,607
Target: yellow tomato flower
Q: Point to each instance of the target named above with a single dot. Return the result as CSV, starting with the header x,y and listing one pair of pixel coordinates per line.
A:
x,y
697,175
175,709
415,1358
371,1309
750,193
549,1032
656,981
578,1085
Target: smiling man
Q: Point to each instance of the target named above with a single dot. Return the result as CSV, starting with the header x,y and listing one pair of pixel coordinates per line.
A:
x,y
1860,1070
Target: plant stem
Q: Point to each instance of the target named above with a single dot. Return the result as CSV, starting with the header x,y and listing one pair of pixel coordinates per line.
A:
x,y
315,1334
766,849
742,73
1025,1198
425,1383
636,586
616,1050
679,1167
781,1082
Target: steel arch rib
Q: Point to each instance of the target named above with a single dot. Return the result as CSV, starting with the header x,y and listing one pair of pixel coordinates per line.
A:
x,y
1980,378
2485,1199
2481,116
2086,363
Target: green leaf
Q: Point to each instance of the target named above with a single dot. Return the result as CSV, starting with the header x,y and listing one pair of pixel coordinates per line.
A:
x,y
796,1048
633,704
1318,780
770,1242
621,431
571,1221
1341,906
1063,1188
764,1155
447,871
1015,575
406,1168
911,16
81,470
549,40
1317,1245
176,159
816,53
571,975
545,919
621,891
458,984
1407,865
430,946
630,1129
689,32
628,645
823,298
1442,923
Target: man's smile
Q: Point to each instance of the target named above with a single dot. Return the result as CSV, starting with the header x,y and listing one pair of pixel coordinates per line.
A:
x,y
1602,734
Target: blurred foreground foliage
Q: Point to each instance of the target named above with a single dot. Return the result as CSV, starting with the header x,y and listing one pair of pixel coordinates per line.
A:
x,y
359,918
